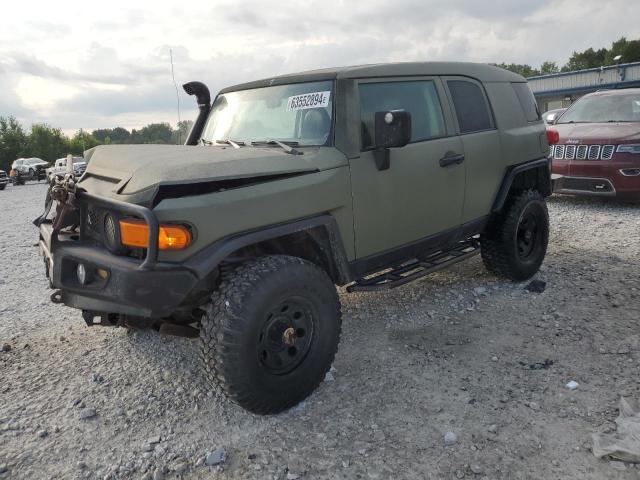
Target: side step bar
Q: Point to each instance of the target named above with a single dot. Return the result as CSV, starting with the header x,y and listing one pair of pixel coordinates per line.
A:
x,y
410,270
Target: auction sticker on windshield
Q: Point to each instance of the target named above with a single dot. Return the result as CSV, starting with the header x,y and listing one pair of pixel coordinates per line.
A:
x,y
308,100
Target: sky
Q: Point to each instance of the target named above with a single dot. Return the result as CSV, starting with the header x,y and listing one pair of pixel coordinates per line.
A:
x,y
94,64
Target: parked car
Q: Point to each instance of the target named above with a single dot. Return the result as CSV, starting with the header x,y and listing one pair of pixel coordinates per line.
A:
x,y
369,176
4,179
60,167
598,152
551,116
30,168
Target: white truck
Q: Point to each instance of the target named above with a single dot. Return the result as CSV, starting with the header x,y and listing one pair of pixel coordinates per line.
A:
x,y
60,166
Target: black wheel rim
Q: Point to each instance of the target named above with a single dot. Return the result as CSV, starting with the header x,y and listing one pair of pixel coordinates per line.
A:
x,y
528,233
286,336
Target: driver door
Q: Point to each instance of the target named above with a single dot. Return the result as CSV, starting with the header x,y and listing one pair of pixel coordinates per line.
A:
x,y
417,201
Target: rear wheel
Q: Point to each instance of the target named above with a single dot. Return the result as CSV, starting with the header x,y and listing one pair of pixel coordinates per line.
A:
x,y
271,332
514,243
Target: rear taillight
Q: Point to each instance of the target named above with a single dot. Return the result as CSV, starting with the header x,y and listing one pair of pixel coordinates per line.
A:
x,y
553,136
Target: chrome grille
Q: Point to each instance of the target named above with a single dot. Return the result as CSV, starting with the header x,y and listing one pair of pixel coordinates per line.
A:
x,y
594,152
581,153
607,152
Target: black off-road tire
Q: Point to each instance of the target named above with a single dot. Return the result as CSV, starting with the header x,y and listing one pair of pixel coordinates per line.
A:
x,y
504,247
271,332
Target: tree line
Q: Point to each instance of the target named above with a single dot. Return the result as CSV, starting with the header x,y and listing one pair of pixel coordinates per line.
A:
x,y
49,143
629,50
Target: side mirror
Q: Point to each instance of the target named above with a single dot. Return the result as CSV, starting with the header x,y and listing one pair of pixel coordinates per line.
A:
x,y
392,130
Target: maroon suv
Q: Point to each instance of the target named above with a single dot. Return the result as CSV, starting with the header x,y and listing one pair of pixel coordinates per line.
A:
x,y
598,150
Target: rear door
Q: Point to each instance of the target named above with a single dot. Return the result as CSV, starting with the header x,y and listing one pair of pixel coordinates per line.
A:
x,y
480,138
416,197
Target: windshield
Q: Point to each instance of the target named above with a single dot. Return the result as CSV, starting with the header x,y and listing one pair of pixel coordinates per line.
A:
x,y
299,113
604,108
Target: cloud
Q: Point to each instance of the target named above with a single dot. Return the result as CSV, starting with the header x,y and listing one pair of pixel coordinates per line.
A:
x,y
99,67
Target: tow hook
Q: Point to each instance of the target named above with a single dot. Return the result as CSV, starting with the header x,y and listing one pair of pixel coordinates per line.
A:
x,y
56,297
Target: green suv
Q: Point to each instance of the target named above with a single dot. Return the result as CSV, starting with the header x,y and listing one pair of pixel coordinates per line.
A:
x,y
366,177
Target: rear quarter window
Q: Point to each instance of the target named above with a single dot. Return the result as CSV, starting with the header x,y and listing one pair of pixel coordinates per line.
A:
x,y
527,101
472,109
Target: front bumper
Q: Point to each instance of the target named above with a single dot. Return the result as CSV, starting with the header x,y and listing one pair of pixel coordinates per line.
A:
x,y
113,284
596,177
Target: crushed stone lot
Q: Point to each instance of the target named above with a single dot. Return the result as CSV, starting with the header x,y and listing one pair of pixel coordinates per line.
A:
x,y
459,375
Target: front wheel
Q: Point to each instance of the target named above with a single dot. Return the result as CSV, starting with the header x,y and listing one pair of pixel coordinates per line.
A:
x,y
514,242
271,332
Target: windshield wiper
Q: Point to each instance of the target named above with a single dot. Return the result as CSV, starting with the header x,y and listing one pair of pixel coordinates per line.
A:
x,y
226,141
286,146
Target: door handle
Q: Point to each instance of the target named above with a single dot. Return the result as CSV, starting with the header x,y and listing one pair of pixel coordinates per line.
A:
x,y
451,158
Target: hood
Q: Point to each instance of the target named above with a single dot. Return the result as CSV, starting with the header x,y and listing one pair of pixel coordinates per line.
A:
x,y
598,133
114,170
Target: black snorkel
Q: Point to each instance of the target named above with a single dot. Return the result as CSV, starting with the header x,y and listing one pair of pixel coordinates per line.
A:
x,y
203,97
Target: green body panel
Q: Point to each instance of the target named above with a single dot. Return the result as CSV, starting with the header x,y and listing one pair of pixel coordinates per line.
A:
x,y
217,215
375,210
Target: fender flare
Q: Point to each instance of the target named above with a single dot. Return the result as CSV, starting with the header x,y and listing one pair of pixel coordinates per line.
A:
x,y
513,172
205,261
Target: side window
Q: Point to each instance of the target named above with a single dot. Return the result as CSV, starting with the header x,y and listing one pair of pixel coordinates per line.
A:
x,y
527,101
418,98
471,106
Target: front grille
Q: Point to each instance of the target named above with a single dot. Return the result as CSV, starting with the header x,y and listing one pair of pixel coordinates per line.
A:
x,y
594,152
95,219
583,152
3,174
570,152
607,152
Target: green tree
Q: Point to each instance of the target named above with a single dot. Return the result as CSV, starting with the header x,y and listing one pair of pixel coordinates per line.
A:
x,y
115,135
153,133
548,67
521,69
46,142
82,141
590,58
629,50
13,142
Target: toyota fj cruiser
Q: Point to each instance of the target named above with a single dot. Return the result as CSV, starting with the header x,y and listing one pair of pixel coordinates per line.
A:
x,y
368,176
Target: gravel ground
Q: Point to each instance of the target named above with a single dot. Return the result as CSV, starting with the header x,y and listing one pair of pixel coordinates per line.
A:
x,y
459,351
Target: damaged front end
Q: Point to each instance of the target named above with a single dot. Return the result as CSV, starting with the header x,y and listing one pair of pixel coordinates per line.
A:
x,y
91,271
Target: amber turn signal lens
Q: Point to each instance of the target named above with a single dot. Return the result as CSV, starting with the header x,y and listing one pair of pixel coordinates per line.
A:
x,y
135,233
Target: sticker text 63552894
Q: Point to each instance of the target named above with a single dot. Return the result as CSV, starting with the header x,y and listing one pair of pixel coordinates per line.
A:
x,y
308,100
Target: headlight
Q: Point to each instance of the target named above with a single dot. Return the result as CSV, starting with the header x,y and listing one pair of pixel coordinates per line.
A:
x,y
111,233
629,148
